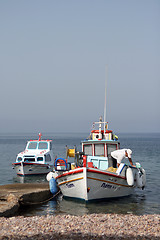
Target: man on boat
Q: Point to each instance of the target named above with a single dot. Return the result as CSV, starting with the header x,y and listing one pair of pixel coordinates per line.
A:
x,y
119,155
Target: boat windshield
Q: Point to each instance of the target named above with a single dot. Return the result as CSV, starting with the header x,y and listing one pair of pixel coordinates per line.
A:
x,y
88,149
111,148
32,145
99,149
43,145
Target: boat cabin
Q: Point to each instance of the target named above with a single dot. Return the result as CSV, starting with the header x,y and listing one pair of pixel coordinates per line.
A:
x,y
99,146
99,152
36,151
96,150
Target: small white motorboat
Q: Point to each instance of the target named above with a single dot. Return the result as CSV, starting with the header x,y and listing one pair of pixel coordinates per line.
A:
x,y
92,176
37,158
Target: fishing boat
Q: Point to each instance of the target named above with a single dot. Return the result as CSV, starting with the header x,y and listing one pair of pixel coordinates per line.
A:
x,y
36,159
91,175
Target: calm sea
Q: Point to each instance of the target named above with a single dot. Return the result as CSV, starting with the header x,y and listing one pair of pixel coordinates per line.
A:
x,y
146,150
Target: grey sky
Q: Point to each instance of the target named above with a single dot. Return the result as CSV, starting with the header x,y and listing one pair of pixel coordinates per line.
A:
x,y
52,65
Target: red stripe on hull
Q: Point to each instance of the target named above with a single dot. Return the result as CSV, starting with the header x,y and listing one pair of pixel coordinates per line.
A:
x,y
36,164
70,173
89,170
105,173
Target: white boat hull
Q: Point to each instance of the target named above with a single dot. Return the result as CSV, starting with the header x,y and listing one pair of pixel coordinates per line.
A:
x,y
23,169
93,184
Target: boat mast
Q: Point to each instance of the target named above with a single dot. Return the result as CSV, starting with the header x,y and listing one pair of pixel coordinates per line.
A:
x,y
40,135
105,100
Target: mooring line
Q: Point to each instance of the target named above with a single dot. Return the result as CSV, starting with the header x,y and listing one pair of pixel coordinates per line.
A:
x,y
36,203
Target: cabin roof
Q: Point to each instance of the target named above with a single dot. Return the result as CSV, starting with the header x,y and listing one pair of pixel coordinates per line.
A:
x,y
99,141
40,140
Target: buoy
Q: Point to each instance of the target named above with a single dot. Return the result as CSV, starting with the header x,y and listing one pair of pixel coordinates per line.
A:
x,y
53,186
141,178
49,176
130,177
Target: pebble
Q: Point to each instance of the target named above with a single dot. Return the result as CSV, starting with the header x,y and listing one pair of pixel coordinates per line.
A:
x,y
92,226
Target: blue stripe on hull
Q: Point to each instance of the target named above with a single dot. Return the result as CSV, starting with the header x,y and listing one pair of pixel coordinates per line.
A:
x,y
95,200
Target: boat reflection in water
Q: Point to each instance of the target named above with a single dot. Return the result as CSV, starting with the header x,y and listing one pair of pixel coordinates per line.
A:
x,y
29,179
134,204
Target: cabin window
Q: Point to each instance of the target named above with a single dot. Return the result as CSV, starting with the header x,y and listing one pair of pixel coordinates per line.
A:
x,y
43,145
32,145
103,165
88,149
39,158
111,148
99,149
48,158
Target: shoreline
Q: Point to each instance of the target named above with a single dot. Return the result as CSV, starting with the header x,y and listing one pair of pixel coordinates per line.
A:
x,y
91,226
12,196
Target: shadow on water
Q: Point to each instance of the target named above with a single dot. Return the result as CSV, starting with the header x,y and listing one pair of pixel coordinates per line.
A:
x,y
123,205
134,204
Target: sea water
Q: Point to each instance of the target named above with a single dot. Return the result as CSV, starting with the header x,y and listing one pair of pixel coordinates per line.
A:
x,y
146,151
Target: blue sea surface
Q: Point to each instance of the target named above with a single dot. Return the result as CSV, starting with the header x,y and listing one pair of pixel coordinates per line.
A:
x,y
146,150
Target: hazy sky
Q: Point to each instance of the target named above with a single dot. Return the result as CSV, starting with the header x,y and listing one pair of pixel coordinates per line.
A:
x,y
53,56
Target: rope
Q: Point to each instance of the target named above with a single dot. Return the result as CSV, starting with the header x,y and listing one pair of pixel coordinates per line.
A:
x,y
36,203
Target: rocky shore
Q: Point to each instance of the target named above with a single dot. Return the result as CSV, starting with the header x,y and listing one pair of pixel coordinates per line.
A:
x,y
93,226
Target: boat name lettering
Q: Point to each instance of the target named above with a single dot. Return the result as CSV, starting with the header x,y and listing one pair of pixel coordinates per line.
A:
x,y
70,185
105,185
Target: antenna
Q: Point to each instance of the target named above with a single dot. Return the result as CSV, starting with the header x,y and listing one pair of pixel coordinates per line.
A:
x,y
105,99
